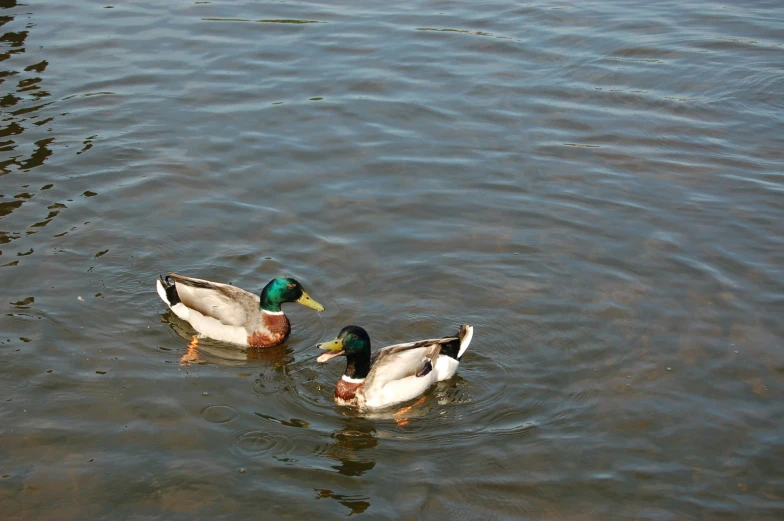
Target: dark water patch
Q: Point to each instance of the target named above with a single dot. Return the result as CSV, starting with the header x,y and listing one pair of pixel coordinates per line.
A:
x,y
263,21
293,422
357,504
462,31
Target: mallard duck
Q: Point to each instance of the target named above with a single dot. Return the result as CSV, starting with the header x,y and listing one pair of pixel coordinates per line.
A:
x,y
229,314
395,373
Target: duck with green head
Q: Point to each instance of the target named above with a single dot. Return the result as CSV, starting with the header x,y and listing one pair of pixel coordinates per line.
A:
x,y
229,314
393,374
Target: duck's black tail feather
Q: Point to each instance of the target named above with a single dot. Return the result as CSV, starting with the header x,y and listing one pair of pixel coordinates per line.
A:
x,y
171,290
455,347
451,348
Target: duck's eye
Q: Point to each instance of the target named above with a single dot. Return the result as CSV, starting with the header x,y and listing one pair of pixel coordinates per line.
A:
x,y
291,286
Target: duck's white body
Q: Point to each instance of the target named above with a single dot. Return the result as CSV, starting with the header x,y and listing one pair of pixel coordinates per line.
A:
x,y
207,326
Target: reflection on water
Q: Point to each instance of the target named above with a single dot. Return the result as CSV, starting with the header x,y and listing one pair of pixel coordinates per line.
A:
x,y
293,422
26,133
356,504
20,107
352,447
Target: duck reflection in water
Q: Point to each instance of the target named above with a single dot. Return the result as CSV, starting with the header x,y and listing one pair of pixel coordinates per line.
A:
x,y
357,504
353,446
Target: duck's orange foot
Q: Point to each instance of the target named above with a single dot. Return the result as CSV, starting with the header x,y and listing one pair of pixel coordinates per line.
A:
x,y
399,419
193,354
404,410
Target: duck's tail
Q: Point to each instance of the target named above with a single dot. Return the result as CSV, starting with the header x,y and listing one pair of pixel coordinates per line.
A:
x,y
167,291
465,334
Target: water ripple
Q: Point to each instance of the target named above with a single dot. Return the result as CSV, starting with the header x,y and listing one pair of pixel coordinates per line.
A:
x,y
257,444
218,414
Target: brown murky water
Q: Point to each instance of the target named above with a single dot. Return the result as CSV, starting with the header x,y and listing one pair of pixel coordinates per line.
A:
x,y
597,188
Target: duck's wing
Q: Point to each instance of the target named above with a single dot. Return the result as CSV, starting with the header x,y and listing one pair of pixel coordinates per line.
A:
x,y
231,306
403,360
451,346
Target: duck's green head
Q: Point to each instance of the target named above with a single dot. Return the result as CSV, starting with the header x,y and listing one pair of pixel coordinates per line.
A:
x,y
353,341
285,289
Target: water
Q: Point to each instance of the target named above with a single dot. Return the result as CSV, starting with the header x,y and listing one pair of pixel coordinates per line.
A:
x,y
596,187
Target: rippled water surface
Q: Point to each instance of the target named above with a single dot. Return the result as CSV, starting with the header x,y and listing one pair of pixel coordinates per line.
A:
x,y
597,187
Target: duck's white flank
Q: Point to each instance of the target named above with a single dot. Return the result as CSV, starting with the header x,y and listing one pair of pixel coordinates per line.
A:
x,y
445,368
205,325
398,391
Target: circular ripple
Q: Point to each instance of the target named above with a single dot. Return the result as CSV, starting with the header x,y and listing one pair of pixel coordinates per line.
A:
x,y
218,414
258,443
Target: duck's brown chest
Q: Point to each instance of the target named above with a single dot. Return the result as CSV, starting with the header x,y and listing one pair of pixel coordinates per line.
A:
x,y
275,331
347,393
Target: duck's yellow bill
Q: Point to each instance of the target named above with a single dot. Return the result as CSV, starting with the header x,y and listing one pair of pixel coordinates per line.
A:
x,y
335,348
308,302
332,345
